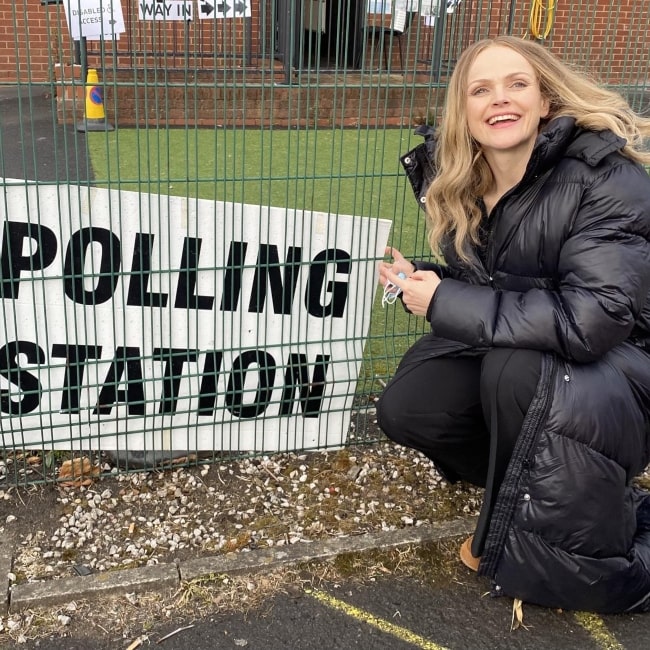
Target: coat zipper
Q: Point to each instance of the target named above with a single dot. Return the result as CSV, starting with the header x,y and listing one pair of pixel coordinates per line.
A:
x,y
509,493
496,212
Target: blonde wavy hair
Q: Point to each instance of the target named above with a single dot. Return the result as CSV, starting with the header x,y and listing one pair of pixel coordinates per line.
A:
x,y
462,173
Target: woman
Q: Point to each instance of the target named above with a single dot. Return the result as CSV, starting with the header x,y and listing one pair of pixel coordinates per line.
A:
x,y
535,379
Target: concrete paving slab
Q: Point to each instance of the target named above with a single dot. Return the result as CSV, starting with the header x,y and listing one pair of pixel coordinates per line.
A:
x,y
57,592
322,550
169,576
5,569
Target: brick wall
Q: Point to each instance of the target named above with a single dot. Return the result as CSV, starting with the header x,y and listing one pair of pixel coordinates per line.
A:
x,y
610,38
33,37
23,41
130,101
35,46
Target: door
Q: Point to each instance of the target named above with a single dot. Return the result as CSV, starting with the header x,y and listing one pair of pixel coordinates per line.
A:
x,y
288,16
321,34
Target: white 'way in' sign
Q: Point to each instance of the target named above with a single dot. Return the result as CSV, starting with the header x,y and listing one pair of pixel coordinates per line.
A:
x,y
169,10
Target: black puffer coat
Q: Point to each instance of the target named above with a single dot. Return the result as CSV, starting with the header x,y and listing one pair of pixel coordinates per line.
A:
x,y
567,271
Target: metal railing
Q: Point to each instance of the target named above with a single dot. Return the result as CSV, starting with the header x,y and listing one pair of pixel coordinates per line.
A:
x,y
189,245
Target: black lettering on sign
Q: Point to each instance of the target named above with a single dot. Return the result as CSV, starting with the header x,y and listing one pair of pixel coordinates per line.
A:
x,y
233,278
76,357
126,358
186,297
209,375
296,379
30,387
268,272
13,262
138,294
75,262
316,284
175,359
250,361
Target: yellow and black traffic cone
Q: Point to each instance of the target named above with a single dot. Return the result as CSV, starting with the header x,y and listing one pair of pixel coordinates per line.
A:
x,y
94,115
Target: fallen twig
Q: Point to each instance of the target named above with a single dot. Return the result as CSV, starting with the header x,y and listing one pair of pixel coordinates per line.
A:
x,y
138,642
167,636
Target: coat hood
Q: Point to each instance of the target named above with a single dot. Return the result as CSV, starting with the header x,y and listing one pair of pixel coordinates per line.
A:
x,y
559,138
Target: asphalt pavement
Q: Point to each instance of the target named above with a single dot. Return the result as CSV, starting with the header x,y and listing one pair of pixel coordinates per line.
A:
x,y
385,613
33,145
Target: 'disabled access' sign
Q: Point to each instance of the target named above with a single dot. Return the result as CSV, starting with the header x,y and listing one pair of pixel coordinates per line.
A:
x,y
94,19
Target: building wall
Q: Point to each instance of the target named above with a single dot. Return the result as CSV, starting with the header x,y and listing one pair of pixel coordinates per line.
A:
x,y
180,74
26,50
34,37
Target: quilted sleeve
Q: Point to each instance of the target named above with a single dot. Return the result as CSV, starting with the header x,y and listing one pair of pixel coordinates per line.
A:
x,y
604,280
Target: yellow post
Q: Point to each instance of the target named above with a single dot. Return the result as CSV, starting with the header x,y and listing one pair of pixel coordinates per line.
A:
x,y
94,115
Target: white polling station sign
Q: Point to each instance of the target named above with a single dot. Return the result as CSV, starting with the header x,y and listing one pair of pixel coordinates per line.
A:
x,y
160,322
94,19
165,9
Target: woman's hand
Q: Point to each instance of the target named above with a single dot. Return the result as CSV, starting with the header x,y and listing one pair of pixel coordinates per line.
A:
x,y
398,265
417,288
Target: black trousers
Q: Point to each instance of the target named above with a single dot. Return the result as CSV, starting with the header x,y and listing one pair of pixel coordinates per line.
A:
x,y
464,413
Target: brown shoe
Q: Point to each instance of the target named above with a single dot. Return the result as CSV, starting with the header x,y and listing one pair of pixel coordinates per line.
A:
x,y
466,556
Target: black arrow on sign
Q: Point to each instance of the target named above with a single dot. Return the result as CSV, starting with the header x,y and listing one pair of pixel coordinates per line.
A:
x,y
223,8
207,8
240,7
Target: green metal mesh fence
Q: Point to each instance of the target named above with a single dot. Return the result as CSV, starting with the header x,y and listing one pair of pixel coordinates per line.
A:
x,y
195,196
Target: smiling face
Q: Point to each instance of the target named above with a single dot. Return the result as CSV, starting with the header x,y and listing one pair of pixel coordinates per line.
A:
x,y
504,103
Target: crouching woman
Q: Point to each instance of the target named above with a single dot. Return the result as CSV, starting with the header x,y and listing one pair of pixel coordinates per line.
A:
x,y
535,379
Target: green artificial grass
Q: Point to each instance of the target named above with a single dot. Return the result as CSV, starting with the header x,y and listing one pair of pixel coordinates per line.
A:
x,y
355,172
341,171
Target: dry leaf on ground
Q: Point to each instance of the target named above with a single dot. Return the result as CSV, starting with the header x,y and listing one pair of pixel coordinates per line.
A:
x,y
78,472
517,615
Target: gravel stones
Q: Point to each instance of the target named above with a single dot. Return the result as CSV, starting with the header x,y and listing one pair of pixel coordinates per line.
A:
x,y
146,518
